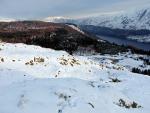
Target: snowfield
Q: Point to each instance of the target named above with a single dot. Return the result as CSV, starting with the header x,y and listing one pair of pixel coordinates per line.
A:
x,y
39,80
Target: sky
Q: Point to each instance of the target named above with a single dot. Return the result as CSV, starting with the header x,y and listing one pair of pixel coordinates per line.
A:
x,y
38,9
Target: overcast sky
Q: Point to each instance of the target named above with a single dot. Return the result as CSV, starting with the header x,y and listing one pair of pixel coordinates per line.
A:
x,y
36,9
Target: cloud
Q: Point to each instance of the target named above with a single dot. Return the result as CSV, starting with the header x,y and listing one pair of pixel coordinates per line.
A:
x,y
26,9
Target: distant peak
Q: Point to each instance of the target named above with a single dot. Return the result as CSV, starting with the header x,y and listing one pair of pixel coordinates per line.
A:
x,y
54,18
6,19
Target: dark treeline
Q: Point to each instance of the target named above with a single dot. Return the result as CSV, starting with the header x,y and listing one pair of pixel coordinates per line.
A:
x,y
105,31
138,51
96,30
145,72
146,61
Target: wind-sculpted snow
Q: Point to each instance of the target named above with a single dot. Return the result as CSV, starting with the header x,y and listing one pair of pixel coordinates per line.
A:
x,y
39,80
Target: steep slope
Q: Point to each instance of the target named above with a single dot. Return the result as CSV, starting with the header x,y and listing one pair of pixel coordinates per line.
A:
x,y
142,36
133,24
134,19
130,19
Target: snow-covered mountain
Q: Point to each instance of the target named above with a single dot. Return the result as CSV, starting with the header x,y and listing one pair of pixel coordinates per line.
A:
x,y
128,19
135,19
40,80
6,19
57,19
132,24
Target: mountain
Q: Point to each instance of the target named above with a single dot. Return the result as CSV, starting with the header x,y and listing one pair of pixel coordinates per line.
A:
x,y
50,67
134,19
131,24
54,35
57,19
50,35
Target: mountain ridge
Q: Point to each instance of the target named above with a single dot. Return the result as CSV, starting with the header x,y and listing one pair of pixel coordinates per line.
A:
x,y
131,19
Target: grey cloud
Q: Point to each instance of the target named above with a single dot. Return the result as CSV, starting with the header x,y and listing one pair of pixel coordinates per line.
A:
x,y
43,8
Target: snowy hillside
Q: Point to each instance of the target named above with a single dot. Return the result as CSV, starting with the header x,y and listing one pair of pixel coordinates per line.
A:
x,y
39,80
57,19
128,19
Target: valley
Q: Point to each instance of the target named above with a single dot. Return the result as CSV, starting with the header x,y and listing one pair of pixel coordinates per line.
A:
x,y
127,42
132,23
74,57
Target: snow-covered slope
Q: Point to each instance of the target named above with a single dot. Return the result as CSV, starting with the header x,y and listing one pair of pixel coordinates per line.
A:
x,y
76,28
39,80
57,19
128,19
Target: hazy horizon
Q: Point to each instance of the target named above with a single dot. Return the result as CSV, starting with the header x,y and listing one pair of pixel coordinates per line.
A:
x,y
33,9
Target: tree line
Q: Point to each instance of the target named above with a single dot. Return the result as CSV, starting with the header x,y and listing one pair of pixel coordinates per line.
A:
x,y
145,72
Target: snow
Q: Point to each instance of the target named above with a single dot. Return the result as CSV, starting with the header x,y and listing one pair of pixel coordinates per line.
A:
x,y
6,19
135,18
77,29
56,19
68,84
129,19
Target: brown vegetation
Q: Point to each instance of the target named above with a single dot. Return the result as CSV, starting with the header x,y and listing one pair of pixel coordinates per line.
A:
x,y
55,36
